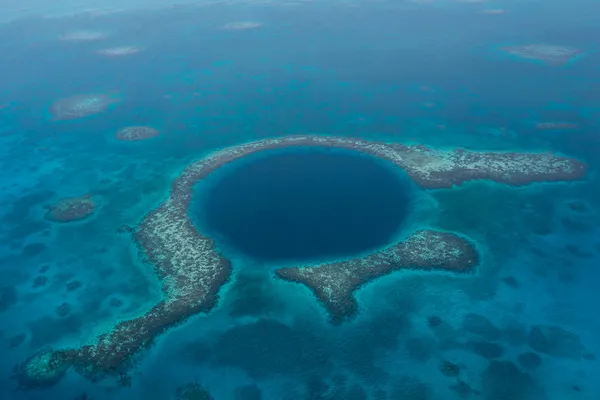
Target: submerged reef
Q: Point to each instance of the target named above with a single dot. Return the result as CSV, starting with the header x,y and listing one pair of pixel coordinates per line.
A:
x,y
119,51
192,391
43,369
80,106
192,270
546,53
83,36
133,133
71,209
241,25
334,283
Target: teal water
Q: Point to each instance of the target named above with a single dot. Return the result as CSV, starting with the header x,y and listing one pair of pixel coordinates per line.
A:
x,y
405,72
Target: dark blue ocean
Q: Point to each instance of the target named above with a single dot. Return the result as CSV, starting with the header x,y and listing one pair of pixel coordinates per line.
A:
x,y
212,75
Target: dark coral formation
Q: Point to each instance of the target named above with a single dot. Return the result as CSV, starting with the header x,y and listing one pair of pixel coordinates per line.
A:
x,y
529,360
135,133
73,285
463,390
434,321
485,349
115,303
555,341
409,388
33,249
63,310
248,392
192,391
193,271
481,326
578,206
449,369
71,209
511,281
502,380
8,297
334,283
17,340
40,281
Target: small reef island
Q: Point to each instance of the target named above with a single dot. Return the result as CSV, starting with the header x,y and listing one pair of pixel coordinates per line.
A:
x,y
193,270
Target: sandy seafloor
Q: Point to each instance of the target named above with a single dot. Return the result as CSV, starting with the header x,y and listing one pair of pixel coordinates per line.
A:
x,y
407,72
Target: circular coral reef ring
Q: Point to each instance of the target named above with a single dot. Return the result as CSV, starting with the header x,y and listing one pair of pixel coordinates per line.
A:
x,y
136,133
193,271
82,105
72,209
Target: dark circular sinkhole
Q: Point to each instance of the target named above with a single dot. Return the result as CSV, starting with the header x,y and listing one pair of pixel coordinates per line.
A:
x,y
303,204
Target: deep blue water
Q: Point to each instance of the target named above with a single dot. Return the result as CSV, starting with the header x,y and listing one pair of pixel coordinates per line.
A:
x,y
307,205
398,71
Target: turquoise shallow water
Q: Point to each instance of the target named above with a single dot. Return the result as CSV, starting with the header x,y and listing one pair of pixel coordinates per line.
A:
x,y
410,73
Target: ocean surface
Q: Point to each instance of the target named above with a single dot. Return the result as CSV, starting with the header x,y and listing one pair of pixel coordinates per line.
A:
x,y
211,75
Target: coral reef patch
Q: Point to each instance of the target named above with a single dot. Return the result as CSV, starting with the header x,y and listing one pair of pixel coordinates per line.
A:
x,y
119,51
80,106
192,270
135,133
334,283
192,391
546,53
71,209
555,341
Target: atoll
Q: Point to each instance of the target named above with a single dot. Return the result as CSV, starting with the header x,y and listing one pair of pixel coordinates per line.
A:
x,y
546,53
119,51
334,283
134,133
80,106
71,209
192,270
